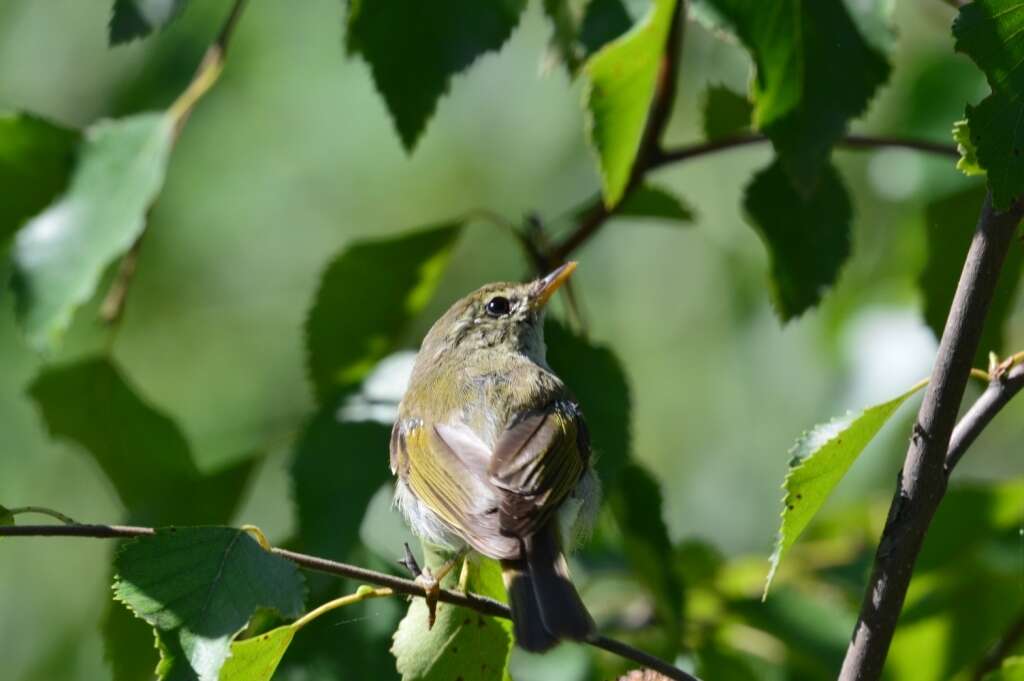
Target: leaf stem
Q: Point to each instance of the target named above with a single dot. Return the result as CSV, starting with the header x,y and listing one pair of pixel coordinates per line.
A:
x,y
363,593
397,585
922,481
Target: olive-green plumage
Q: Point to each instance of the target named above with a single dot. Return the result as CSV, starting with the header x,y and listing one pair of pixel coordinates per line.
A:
x,y
491,453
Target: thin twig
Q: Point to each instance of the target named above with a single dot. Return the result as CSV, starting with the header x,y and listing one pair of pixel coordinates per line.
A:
x,y
481,604
41,510
597,214
1001,389
206,76
922,481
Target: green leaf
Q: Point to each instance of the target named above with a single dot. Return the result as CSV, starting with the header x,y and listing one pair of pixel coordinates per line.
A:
x,y
337,468
201,585
603,22
996,128
1012,670
807,236
596,377
442,40
821,457
462,643
799,47
968,163
6,517
621,79
726,113
35,161
345,336
989,32
61,253
131,19
949,228
90,403
256,659
647,201
636,501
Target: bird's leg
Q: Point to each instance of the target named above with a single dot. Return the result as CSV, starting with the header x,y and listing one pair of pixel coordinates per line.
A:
x,y
431,582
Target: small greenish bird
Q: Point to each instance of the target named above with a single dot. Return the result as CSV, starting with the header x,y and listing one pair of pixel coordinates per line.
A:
x,y
492,453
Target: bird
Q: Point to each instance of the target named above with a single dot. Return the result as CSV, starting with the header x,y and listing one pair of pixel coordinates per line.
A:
x,y
492,454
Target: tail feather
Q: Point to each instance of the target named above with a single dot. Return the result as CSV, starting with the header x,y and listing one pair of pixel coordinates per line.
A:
x,y
545,605
529,629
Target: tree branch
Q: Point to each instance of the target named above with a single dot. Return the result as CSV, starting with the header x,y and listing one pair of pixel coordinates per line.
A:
x,y
481,604
1000,391
851,142
922,482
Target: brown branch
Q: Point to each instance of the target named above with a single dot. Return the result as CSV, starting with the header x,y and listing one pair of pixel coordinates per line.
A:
x,y
481,604
206,75
922,482
1001,389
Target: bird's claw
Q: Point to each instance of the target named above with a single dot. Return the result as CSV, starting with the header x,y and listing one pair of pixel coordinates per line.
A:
x,y
432,588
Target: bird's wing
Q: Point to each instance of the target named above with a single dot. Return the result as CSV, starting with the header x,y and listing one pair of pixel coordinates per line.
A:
x,y
446,468
494,499
536,464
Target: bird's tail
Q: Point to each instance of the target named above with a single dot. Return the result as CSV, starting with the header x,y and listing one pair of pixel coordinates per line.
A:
x,y
545,606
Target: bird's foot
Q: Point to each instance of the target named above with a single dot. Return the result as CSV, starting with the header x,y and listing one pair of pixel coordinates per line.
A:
x,y
431,582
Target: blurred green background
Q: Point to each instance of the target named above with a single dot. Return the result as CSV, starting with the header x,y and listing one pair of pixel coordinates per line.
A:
x,y
293,155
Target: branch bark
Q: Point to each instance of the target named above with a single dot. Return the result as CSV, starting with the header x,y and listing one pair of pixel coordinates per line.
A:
x,y
922,481
481,604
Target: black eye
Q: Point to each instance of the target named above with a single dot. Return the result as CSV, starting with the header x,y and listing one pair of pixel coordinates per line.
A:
x,y
497,306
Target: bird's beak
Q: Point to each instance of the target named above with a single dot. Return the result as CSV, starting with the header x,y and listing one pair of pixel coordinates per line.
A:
x,y
546,287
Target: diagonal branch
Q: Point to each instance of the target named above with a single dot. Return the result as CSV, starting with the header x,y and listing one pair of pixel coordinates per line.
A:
x,y
922,482
481,604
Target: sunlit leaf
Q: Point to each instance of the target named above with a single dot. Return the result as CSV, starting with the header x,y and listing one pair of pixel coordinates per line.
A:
x,y
462,643
949,227
366,298
621,79
821,457
807,235
131,19
726,113
60,254
393,35
799,47
36,157
256,659
968,163
201,586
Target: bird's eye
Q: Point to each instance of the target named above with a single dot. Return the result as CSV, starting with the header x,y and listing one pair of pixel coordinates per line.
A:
x,y
497,306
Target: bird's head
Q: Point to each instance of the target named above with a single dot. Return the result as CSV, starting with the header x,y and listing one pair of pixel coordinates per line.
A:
x,y
504,316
